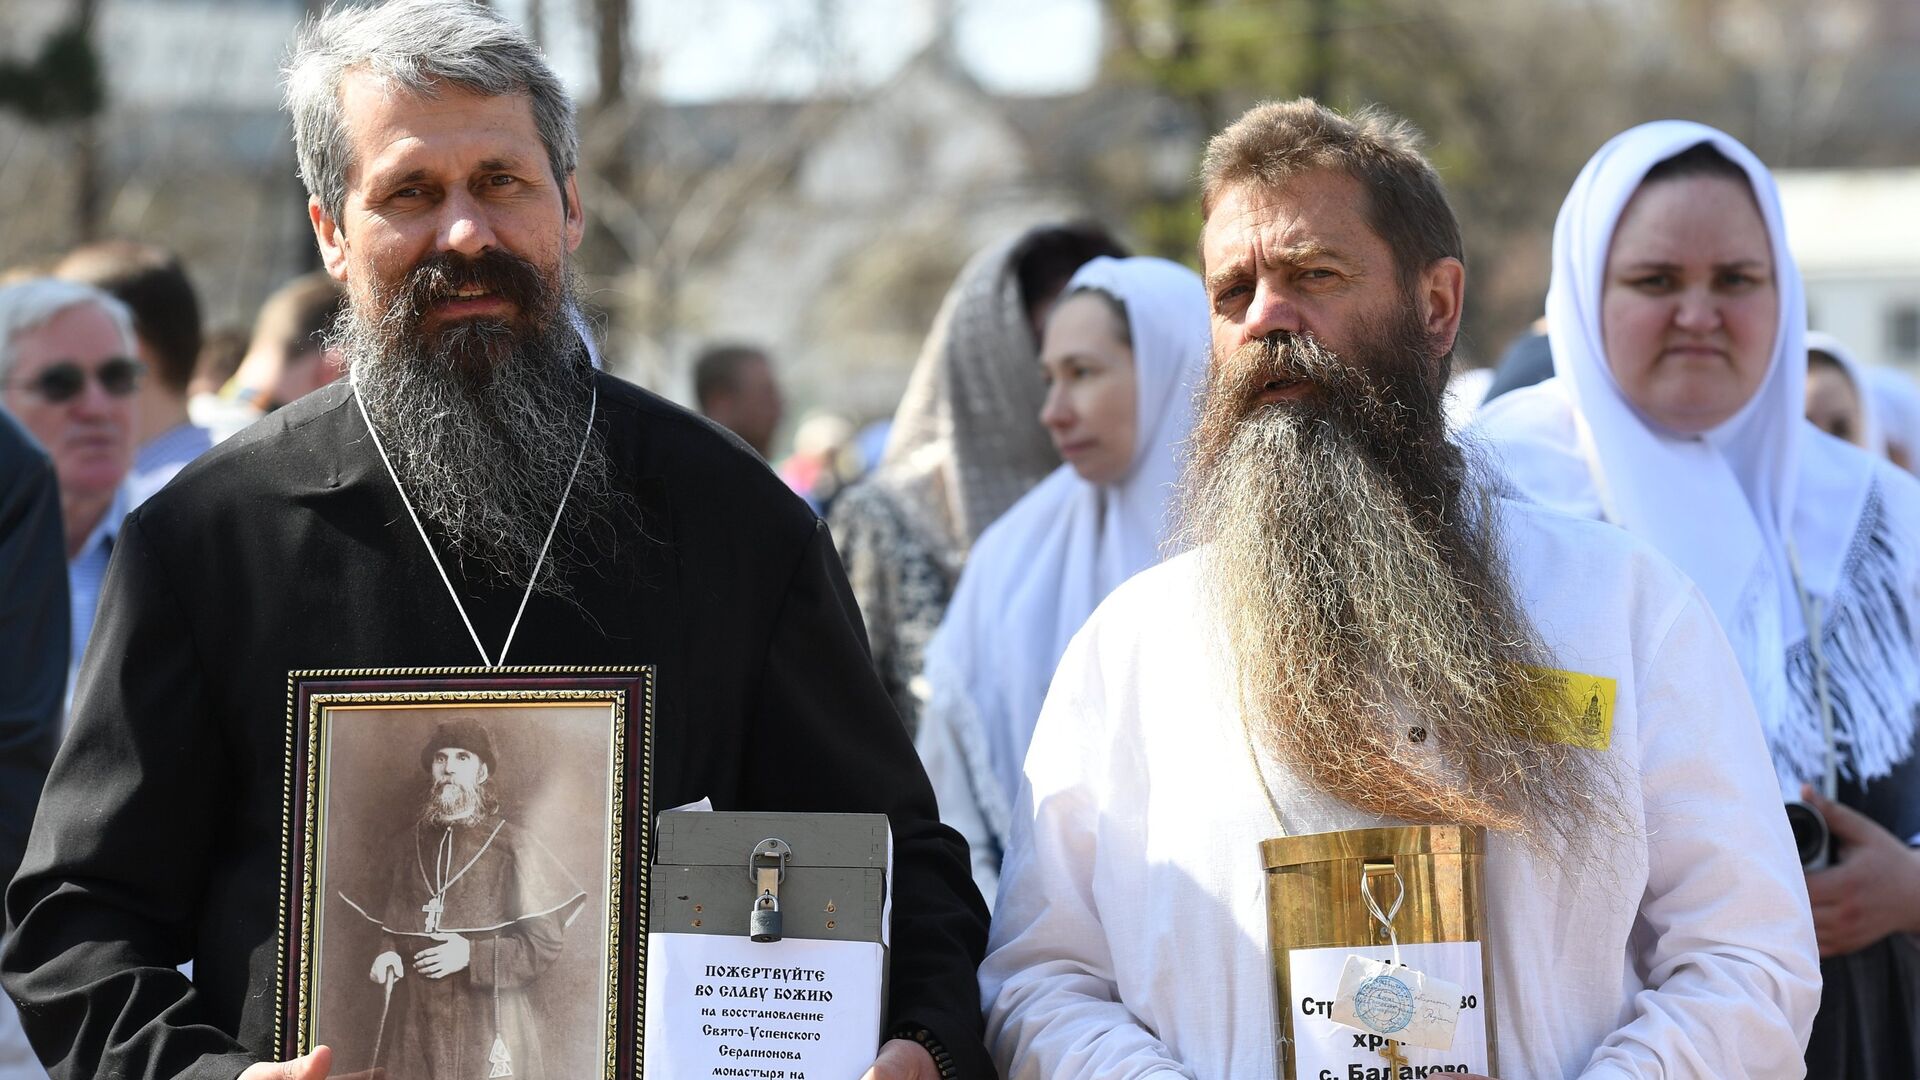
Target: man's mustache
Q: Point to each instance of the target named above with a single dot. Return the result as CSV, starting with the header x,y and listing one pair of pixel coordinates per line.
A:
x,y
444,275
1283,359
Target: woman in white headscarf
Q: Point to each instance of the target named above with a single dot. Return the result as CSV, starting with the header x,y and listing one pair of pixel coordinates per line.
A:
x,y
1678,331
1839,394
1896,402
964,447
1125,353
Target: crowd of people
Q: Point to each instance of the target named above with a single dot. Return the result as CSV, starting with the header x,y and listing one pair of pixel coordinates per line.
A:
x,y
1152,565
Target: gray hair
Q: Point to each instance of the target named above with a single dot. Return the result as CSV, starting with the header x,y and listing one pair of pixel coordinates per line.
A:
x,y
420,45
34,303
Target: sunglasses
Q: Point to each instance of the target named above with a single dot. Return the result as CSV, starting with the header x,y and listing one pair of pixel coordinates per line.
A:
x,y
67,380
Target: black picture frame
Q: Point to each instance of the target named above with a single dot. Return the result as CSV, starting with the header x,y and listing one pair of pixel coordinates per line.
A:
x,y
545,872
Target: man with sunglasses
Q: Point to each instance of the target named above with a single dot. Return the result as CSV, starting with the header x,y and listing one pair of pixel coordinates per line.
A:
x,y
68,376
154,285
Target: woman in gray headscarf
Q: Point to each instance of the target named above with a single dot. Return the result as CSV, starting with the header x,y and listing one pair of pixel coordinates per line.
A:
x,y
966,445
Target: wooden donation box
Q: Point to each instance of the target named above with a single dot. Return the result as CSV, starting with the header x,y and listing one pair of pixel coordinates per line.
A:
x,y
1418,891
767,944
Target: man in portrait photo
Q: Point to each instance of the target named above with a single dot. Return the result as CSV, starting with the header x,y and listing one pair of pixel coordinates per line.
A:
x,y
473,913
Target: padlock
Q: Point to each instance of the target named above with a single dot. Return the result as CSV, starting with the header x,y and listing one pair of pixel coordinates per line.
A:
x,y
763,924
766,868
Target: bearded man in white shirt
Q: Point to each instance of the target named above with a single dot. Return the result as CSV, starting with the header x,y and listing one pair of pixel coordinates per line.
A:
x,y
1364,635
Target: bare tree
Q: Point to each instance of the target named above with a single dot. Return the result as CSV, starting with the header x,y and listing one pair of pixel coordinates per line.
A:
x,y
61,89
86,143
1515,94
658,217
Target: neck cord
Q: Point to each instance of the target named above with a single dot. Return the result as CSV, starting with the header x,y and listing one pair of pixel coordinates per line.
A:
x,y
593,407
1260,774
1384,918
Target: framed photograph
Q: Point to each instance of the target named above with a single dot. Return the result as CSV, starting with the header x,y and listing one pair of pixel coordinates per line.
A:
x,y
464,887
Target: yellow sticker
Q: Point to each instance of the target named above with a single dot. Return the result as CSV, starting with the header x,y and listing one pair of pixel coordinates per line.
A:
x,y
1587,718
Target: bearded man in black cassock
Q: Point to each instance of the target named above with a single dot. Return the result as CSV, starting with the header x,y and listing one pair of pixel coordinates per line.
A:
x,y
475,908
438,151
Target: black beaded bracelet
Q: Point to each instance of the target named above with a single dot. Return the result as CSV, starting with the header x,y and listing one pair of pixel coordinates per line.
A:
x,y
942,1060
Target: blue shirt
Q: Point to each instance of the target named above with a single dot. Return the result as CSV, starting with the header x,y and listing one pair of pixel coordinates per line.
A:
x,y
162,456
85,571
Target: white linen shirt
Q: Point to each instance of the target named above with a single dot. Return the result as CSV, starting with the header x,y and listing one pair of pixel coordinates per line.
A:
x,y
1130,938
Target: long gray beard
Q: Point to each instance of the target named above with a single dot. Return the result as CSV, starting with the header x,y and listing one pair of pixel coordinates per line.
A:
x,y
1359,583
451,803
483,425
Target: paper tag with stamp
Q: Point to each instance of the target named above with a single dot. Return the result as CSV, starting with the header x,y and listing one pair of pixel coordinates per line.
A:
x,y
1397,1002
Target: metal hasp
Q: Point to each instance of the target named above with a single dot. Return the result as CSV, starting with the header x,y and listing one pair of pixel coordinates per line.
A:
x,y
1317,885
767,868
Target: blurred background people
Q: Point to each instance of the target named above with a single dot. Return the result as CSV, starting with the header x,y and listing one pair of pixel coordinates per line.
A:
x,y
70,377
1125,355
1677,412
33,666
288,355
735,388
1896,405
1838,401
1466,389
154,286
1527,360
824,459
33,623
965,444
220,354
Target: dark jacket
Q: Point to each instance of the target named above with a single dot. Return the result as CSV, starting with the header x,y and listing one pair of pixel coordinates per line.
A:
x,y
34,618
159,837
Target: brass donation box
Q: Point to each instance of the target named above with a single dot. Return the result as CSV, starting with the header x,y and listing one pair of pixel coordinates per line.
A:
x,y
1415,891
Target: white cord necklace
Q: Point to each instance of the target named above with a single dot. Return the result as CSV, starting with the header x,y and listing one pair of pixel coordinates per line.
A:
x,y
593,408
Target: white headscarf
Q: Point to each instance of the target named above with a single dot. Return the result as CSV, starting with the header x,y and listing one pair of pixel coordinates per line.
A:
x,y
1896,406
1466,389
1038,572
1873,438
1720,505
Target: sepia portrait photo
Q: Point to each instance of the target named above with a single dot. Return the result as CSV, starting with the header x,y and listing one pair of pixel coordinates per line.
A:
x,y
462,893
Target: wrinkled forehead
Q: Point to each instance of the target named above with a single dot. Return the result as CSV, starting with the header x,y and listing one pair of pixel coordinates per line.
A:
x,y
363,85
82,332
1314,211
385,118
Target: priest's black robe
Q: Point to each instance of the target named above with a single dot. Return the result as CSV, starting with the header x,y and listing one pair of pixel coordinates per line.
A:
x,y
287,547
512,901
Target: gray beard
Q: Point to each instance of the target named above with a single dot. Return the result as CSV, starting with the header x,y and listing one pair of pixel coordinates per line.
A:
x,y
483,424
1356,573
450,803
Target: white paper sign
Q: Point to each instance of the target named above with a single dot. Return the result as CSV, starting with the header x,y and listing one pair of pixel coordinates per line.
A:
x,y
1327,1050
797,1009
